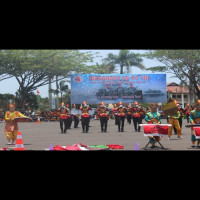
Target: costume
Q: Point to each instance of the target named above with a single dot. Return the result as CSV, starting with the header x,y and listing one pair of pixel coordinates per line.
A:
x,y
121,117
181,110
173,120
153,117
75,117
64,116
136,115
85,117
103,117
195,119
11,127
128,114
187,111
115,114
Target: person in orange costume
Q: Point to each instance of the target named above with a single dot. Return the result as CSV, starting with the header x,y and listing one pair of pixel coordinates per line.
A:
x,y
187,111
11,127
121,116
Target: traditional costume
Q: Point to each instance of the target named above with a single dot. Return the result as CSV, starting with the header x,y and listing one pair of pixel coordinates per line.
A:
x,y
195,119
103,117
136,115
11,127
85,117
153,117
64,116
121,117
173,120
115,114
75,118
129,114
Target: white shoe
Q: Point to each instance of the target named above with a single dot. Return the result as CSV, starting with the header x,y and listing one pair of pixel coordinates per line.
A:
x,y
169,138
180,137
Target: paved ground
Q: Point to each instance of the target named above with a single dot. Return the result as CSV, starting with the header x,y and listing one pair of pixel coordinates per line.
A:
x,y
40,136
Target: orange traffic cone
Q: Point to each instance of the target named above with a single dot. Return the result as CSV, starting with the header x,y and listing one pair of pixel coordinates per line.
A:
x,y
38,120
19,143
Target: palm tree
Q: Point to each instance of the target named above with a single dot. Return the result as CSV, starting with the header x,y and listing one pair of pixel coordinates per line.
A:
x,y
125,59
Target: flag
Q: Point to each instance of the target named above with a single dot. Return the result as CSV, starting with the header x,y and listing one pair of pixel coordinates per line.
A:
x,y
197,132
38,98
155,129
38,92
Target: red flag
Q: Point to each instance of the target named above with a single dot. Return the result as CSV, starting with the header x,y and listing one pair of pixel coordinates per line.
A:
x,y
38,92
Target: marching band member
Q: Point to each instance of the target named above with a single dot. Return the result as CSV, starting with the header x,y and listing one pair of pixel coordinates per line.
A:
x,y
11,127
121,117
153,117
128,114
76,118
69,117
136,115
64,115
103,117
195,119
85,117
115,114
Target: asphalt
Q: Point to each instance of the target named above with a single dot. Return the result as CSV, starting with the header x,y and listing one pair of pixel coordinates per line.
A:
x,y
40,136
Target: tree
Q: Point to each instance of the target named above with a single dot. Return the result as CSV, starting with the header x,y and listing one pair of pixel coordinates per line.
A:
x,y
35,68
184,64
124,59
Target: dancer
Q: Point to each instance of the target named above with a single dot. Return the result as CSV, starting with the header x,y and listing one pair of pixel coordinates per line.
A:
x,y
103,117
136,115
121,117
153,117
173,120
64,115
187,111
85,117
11,127
128,114
195,119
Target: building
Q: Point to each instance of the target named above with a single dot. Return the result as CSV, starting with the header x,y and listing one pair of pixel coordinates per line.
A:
x,y
180,93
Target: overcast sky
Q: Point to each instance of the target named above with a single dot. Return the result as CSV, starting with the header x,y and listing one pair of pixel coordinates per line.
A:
x,y
11,85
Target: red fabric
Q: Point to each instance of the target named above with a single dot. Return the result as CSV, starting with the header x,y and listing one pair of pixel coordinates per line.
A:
x,y
152,129
58,148
115,146
85,115
197,131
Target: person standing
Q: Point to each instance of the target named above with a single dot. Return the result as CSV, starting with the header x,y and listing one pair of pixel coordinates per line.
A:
x,y
153,117
103,117
121,117
136,115
173,120
195,119
115,114
85,117
64,115
128,114
187,111
75,117
11,127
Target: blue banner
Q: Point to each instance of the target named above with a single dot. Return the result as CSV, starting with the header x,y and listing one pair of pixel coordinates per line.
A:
x,y
113,88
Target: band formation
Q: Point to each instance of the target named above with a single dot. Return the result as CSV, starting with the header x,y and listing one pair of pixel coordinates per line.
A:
x,y
135,113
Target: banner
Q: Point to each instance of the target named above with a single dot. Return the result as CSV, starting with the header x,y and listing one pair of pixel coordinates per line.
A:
x,y
112,88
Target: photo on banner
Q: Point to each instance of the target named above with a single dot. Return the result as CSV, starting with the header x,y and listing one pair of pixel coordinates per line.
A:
x,y
112,88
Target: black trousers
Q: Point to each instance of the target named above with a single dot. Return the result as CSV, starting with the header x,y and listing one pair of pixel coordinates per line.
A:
x,y
121,123
69,122
128,119
103,122
136,122
85,121
76,121
63,125
116,119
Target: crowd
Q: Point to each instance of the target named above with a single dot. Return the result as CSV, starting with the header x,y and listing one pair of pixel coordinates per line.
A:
x,y
134,113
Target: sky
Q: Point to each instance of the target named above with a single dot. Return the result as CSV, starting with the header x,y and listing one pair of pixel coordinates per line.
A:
x,y
11,85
